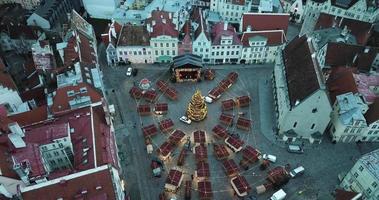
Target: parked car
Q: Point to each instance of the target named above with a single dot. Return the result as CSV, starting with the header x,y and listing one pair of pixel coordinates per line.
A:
x,y
295,149
129,72
279,195
185,119
134,72
269,157
297,171
208,99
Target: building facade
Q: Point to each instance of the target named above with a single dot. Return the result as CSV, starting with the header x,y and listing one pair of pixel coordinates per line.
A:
x,y
230,10
201,44
43,56
363,176
295,8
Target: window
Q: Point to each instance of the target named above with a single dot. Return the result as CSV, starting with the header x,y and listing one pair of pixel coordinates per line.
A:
x,y
125,53
355,174
374,184
162,52
60,145
346,130
156,52
161,44
60,160
120,52
173,52
52,162
295,124
370,132
155,45
173,44
374,126
56,153
313,126
314,110
368,190
168,52
167,45
360,168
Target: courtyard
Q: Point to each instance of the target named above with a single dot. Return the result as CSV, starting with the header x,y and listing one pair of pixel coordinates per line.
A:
x,y
322,162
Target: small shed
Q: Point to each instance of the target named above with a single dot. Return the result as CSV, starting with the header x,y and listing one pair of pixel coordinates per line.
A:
x,y
240,185
220,132
171,93
161,108
150,96
209,74
166,125
243,101
230,167
176,137
165,150
226,119
220,151
243,123
149,131
202,171
232,76
135,92
161,85
201,153
144,109
199,136
205,190
215,93
187,67
227,104
234,143
174,180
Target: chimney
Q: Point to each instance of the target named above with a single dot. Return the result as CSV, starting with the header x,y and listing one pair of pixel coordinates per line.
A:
x,y
339,25
248,29
153,23
164,20
225,25
170,15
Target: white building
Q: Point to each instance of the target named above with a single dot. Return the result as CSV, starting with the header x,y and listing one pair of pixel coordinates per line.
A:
x,y
364,176
261,46
301,100
133,45
201,44
110,38
100,8
366,11
230,10
226,45
295,8
372,119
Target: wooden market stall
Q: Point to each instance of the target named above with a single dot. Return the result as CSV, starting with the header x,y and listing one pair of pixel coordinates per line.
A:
x,y
227,105
174,180
243,101
135,92
199,137
150,96
240,186
220,151
166,125
202,171
220,132
144,109
243,123
161,108
230,168
226,119
234,143
201,153
149,131
205,190
176,137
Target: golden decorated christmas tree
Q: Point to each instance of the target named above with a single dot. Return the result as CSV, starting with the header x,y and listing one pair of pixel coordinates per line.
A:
x,y
197,109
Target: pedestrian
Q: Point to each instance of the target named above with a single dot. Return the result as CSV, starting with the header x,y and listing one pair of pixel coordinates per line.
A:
x,y
191,176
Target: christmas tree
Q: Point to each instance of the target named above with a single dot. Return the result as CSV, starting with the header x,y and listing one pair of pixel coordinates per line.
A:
x,y
197,109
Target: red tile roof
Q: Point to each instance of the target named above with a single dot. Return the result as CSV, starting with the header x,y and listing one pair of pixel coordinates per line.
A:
x,y
42,135
205,190
250,153
202,169
5,78
372,114
197,16
167,29
61,99
226,119
201,152
6,163
161,85
230,167
150,95
174,177
300,72
37,94
227,104
238,2
36,115
241,184
30,156
274,37
361,30
220,132
243,101
220,151
149,130
165,149
166,125
218,31
341,81
235,142
162,107
135,92
176,136
143,109
199,136
132,35
157,16
265,21
340,54
79,48
243,123
100,187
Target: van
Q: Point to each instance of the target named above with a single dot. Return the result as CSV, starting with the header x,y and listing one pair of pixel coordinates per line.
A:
x,y
269,157
279,195
208,99
295,149
297,171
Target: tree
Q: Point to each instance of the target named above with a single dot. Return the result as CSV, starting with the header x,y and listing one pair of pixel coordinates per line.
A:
x,y
197,109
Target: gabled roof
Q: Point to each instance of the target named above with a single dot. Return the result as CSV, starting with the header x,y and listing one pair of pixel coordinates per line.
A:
x,y
360,29
372,114
21,31
218,31
133,36
300,72
345,4
5,78
265,21
274,38
167,29
197,16
341,81
187,59
36,115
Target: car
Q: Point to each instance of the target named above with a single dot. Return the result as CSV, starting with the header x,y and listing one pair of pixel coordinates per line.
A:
x,y
185,119
208,99
269,157
297,171
295,149
129,71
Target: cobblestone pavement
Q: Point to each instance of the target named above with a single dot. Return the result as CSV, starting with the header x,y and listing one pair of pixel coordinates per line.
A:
x,y
322,162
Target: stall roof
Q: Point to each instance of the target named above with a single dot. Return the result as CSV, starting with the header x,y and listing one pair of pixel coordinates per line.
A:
x,y
161,107
166,148
201,152
135,92
171,93
240,184
150,95
144,108
220,151
227,104
176,136
226,119
166,124
202,169
249,152
243,122
187,60
205,189
199,136
162,85
220,131
232,76
234,143
174,177
225,84
243,101
216,92
230,167
209,74
149,130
